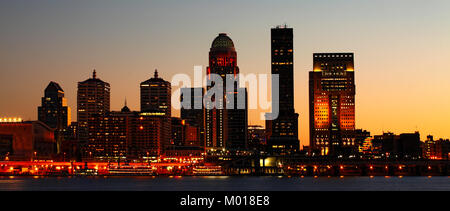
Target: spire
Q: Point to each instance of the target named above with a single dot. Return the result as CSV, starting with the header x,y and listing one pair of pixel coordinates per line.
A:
x,y
94,74
125,108
156,73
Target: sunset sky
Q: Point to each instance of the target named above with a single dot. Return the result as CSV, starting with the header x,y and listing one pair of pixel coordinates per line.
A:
x,y
402,51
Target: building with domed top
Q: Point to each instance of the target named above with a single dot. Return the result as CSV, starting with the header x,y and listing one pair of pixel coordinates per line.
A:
x,y
226,127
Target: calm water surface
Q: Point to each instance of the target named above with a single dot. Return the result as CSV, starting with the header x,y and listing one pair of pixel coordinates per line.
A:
x,y
223,183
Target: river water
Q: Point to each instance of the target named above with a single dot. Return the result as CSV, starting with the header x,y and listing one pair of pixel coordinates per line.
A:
x,y
224,183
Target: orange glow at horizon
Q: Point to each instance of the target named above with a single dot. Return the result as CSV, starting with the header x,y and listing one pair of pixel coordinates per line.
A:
x,y
401,53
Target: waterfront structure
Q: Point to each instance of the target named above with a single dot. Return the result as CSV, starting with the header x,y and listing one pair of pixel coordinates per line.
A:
x,y
93,98
28,140
156,95
282,132
184,152
332,104
226,127
54,111
194,111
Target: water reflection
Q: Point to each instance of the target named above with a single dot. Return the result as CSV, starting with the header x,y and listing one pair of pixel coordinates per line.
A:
x,y
224,183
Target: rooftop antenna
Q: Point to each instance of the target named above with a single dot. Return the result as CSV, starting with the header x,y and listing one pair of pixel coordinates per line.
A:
x,y
94,74
125,101
156,73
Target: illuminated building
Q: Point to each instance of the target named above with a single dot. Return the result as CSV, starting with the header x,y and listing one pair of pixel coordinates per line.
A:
x,y
149,134
127,135
26,140
194,113
192,137
184,134
177,134
436,149
256,137
184,151
54,111
107,136
93,98
366,146
361,140
332,104
156,95
71,132
226,128
283,131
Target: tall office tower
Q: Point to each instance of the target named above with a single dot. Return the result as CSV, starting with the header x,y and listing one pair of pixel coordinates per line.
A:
x,y
226,127
332,104
194,112
283,131
54,111
93,97
156,95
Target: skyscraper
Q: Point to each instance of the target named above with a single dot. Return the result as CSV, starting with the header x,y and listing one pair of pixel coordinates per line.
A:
x,y
332,104
283,131
54,111
156,95
226,127
93,98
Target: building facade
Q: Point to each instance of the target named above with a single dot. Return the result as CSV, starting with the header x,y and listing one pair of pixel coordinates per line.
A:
x,y
256,138
184,134
149,134
226,125
32,140
54,111
436,149
332,104
93,98
156,95
283,130
194,111
127,135
107,136
403,146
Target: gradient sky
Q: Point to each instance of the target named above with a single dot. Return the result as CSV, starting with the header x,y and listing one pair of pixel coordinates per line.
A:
x,y
401,47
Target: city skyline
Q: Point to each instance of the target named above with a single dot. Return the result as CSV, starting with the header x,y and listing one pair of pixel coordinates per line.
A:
x,y
380,100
